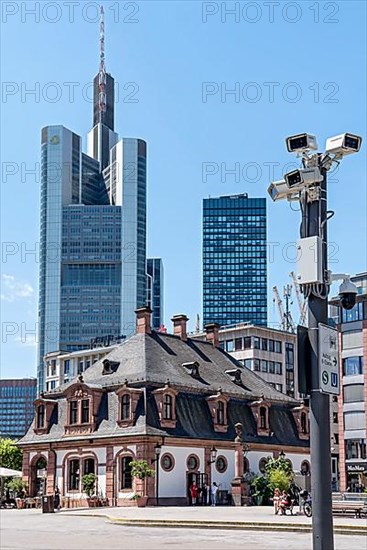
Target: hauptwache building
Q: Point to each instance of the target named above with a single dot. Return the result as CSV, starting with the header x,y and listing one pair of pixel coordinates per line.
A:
x,y
184,405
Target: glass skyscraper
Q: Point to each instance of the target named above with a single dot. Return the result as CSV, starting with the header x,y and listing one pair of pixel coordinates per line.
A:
x,y
93,232
234,260
155,290
16,406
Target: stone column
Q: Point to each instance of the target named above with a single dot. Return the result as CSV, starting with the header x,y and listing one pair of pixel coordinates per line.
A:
x,y
26,473
110,466
237,482
145,451
51,468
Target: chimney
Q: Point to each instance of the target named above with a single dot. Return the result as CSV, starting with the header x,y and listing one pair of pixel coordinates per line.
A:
x,y
212,333
143,316
179,326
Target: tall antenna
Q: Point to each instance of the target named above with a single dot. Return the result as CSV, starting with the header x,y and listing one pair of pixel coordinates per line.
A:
x,y
102,68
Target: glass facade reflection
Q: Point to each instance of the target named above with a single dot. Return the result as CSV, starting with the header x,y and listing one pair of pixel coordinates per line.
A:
x,y
155,290
234,260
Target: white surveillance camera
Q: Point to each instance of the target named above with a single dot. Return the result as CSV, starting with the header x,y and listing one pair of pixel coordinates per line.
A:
x,y
279,190
344,144
297,179
348,294
301,143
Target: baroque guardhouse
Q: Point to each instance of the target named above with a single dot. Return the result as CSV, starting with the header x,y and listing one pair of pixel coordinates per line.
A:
x,y
184,405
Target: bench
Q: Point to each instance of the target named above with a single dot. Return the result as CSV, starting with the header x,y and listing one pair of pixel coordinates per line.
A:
x,y
345,507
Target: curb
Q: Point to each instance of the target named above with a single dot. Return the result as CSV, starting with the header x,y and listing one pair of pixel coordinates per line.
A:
x,y
234,525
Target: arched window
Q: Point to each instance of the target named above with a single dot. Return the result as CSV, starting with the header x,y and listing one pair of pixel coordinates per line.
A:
x,y
167,407
220,413
304,427
125,407
262,464
263,420
126,479
40,416
74,474
305,468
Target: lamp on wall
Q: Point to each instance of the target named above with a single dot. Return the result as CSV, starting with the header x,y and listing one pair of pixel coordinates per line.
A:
x,y
213,455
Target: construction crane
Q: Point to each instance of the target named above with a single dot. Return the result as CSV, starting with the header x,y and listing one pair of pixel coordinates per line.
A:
x,y
286,320
302,304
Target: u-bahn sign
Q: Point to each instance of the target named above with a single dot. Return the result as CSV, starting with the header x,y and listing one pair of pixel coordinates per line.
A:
x,y
329,378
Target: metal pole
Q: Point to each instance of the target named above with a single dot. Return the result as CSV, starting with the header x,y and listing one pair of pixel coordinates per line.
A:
x,y
322,519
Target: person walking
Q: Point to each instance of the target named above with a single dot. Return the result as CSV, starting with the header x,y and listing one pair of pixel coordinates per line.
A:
x,y
57,499
193,493
214,493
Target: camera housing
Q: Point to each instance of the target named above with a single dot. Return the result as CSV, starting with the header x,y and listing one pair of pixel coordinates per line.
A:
x,y
279,190
348,294
297,179
344,144
301,143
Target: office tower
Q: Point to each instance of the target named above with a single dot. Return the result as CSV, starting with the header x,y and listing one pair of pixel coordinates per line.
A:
x,y
352,402
93,230
155,290
16,406
234,260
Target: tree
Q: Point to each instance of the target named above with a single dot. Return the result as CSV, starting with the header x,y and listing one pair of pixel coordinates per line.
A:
x,y
17,486
10,455
141,470
279,479
279,463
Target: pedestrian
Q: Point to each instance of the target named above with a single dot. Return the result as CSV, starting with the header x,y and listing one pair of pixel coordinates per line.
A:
x,y
193,493
276,499
57,499
214,493
204,495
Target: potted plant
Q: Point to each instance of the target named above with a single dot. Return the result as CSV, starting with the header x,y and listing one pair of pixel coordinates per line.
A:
x,y
89,484
141,470
19,489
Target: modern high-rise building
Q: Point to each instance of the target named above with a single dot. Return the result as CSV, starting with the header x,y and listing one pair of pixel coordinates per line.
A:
x,y
16,406
155,290
93,230
351,416
234,260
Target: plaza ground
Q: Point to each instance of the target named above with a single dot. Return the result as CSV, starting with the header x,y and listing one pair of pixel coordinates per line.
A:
x,y
77,530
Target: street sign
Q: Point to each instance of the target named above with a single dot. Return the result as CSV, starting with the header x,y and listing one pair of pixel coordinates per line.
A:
x,y
329,377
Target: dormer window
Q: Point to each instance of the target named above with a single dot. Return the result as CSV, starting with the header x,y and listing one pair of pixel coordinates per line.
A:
x,y
165,399
128,402
40,423
167,407
300,415
125,407
83,404
263,418
220,413
43,414
304,423
260,410
218,404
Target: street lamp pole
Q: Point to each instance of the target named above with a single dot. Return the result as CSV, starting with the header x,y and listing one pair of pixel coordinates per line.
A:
x,y
157,450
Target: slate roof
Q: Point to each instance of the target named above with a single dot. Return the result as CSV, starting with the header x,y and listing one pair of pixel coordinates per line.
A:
x,y
148,360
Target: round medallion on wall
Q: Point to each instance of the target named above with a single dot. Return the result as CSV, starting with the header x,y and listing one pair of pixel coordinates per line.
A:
x,y
221,464
167,462
193,462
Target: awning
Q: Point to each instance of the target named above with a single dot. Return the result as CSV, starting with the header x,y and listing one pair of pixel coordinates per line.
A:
x,y
7,472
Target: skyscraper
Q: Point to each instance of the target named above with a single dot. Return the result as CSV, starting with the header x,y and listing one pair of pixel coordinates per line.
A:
x,y
16,406
234,260
93,230
155,290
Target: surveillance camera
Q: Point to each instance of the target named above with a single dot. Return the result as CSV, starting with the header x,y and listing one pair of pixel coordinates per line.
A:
x,y
302,178
344,144
347,294
279,190
301,143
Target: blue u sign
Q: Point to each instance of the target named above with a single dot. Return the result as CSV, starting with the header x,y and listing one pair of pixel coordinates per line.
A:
x,y
334,380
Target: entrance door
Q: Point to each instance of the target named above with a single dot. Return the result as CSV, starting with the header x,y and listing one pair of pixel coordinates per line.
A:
x,y
200,480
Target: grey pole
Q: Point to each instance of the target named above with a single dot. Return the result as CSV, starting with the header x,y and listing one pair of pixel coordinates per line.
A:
x,y
314,223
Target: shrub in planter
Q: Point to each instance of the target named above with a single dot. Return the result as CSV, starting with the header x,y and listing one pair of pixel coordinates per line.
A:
x,y
141,470
89,484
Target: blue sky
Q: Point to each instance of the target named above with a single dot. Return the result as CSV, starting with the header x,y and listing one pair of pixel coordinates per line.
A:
x,y
299,69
